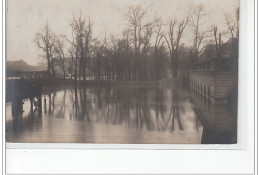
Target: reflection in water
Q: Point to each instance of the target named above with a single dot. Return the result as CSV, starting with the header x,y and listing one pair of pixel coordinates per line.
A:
x,y
23,123
218,120
123,115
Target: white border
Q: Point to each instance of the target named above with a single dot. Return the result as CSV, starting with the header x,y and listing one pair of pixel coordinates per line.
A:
x,y
98,159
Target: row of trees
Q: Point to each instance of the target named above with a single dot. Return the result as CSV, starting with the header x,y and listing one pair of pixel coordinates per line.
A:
x,y
143,53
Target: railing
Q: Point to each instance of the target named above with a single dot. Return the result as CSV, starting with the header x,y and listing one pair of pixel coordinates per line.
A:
x,y
223,64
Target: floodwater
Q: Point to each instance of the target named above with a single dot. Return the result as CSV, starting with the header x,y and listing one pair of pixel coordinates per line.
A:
x,y
122,115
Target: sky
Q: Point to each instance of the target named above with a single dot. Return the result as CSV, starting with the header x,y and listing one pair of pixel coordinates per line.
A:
x,y
27,17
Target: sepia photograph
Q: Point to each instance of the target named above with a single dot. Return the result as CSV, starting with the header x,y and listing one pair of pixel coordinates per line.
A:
x,y
122,71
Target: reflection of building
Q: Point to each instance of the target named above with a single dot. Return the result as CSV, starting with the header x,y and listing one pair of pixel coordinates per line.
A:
x,y
214,79
22,125
218,120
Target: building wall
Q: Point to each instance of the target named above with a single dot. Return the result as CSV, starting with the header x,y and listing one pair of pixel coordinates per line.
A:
x,y
214,86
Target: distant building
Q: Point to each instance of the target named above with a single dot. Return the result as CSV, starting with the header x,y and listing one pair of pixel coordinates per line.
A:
x,y
13,74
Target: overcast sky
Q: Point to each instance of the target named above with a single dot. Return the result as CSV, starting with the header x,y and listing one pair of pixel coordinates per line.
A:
x,y
27,17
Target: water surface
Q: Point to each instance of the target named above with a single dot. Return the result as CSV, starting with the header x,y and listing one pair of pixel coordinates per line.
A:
x,y
122,115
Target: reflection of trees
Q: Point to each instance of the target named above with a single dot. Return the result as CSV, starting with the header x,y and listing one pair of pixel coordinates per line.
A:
x,y
75,104
83,101
51,104
164,123
107,101
159,109
61,107
142,110
174,115
122,106
49,112
146,110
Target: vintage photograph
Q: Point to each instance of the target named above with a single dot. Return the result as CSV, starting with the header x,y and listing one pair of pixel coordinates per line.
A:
x,y
122,71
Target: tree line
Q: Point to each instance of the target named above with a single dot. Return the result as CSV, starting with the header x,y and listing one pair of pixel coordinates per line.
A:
x,y
147,50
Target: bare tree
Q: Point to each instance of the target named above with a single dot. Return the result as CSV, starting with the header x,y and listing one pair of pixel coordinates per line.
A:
x,y
98,55
88,39
158,45
217,37
233,24
74,55
82,34
134,18
173,42
127,35
159,33
199,35
233,27
146,38
59,50
139,28
74,50
46,41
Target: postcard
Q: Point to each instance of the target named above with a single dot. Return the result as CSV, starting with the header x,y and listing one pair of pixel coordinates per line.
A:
x,y
122,72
